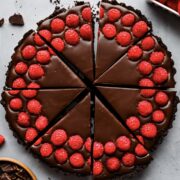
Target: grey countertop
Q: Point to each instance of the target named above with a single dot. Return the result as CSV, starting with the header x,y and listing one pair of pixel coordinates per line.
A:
x,y
166,164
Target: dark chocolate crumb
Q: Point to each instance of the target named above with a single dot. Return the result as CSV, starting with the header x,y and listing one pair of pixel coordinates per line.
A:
x,y
1,22
56,2
16,20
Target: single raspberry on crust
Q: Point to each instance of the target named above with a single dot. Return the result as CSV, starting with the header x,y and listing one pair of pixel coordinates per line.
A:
x,y
135,53
29,93
141,139
144,108
16,104
148,43
35,71
2,140
133,123
113,164
46,150
57,25
13,92
33,85
101,12
88,144
72,20
147,92
140,29
61,155
59,137
34,106
149,130
158,116
160,75
72,37
38,142
109,31
75,142
38,40
43,56
21,68
23,119
86,32
161,98
123,38
145,82
97,168
86,14
145,67
28,52
113,14
172,4
31,134
110,148
77,160
123,143
157,57
58,44
98,150
128,159
140,150
41,123
46,34
128,19
19,83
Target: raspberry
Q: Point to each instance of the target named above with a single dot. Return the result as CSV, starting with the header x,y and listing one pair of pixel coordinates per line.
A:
x,y
35,71
157,57
75,142
61,155
133,123
23,119
13,92
98,150
160,75
46,150
29,93
41,123
21,68
149,130
110,148
57,25
145,108
19,83
58,44
123,38
128,159
147,92
123,143
34,106
140,150
86,32
33,85
109,31
86,14
16,104
72,20
2,140
28,52
77,160
172,4
128,19
158,116
72,37
179,7
113,164
46,34
88,144
97,168
101,12
43,56
161,98
140,28
148,43
38,40
59,137
135,53
145,67
145,82
30,135
141,139
113,14
38,142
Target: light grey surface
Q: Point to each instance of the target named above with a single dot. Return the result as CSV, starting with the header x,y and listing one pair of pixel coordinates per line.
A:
x,y
166,165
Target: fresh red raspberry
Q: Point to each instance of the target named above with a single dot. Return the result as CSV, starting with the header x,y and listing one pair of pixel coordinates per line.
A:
x,y
28,52
89,161
145,67
29,93
160,75
110,148
19,83
46,150
135,53
72,20
144,108
21,68
147,92
145,82
128,19
58,44
123,143
133,123
157,57
113,164
77,160
33,85
34,106
148,43
59,137
113,14
72,37
172,4
23,119
128,159
31,134
35,71
86,14
38,40
86,32
57,25
161,98
61,155
158,116
101,12
16,104
88,144
97,168
2,140
140,150
75,142
109,31
51,51
41,123
43,56
98,150
123,38
140,29
46,34
141,139
149,130
38,142
13,92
